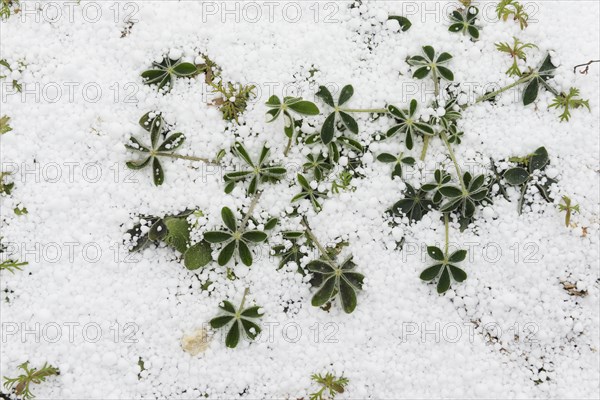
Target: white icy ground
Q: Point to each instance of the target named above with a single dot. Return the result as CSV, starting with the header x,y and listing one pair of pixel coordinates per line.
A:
x,y
388,348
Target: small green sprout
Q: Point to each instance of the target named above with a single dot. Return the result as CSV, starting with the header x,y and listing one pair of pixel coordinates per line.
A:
x,y
331,386
517,52
569,102
4,124
244,321
569,208
511,8
234,99
21,383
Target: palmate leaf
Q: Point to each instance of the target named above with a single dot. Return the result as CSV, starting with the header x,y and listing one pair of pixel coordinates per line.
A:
x,y
414,205
234,239
308,193
328,129
341,281
408,124
153,123
464,21
465,202
569,102
164,73
239,323
397,162
543,74
430,63
444,268
257,172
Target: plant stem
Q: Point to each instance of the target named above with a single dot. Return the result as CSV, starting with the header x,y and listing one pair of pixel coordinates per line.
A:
x,y
365,110
504,89
250,210
246,291
189,158
447,228
453,158
425,146
436,91
316,241
289,146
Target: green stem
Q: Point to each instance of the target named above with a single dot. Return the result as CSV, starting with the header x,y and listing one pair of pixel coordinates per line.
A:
x,y
436,91
189,158
425,146
250,210
365,110
316,241
453,158
246,291
504,89
289,146
447,228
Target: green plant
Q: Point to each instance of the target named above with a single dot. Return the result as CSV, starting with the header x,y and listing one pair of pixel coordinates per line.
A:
x,y
167,71
234,99
511,8
568,208
404,22
465,198
431,64
414,205
408,124
7,7
309,193
6,188
235,238
243,320
21,384
527,172
4,124
319,164
454,135
291,253
465,22
285,108
261,171
441,179
517,52
12,266
5,64
569,102
398,161
343,182
153,123
328,130
329,383
444,267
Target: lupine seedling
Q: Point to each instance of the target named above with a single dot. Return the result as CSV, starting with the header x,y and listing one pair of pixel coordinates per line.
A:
x,y
4,124
517,52
22,383
431,63
235,239
164,73
309,193
343,182
21,67
292,253
445,265
414,205
330,384
539,79
342,280
512,9
569,208
153,124
441,179
408,124
466,198
290,104
465,22
397,162
258,172
338,143
328,130
239,322
569,102
527,172
319,164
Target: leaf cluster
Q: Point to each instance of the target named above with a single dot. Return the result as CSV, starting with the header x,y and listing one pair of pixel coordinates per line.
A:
x,y
335,281
517,52
444,268
257,172
464,21
164,73
234,99
569,102
429,62
21,384
330,384
237,322
511,8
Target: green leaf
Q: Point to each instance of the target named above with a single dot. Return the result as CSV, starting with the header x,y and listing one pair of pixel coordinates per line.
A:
x,y
516,176
458,256
430,273
325,293
252,312
136,165
421,72
531,92
458,274
328,130
444,282
226,253
305,108
404,22
273,101
178,233
345,95
347,296
185,69
254,236
233,336
217,236
244,253
249,326
158,231
450,191
325,95
436,253
172,142
445,73
349,122
198,255
157,172
272,223
221,321
429,52
227,306
320,267
539,159
387,158
229,219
